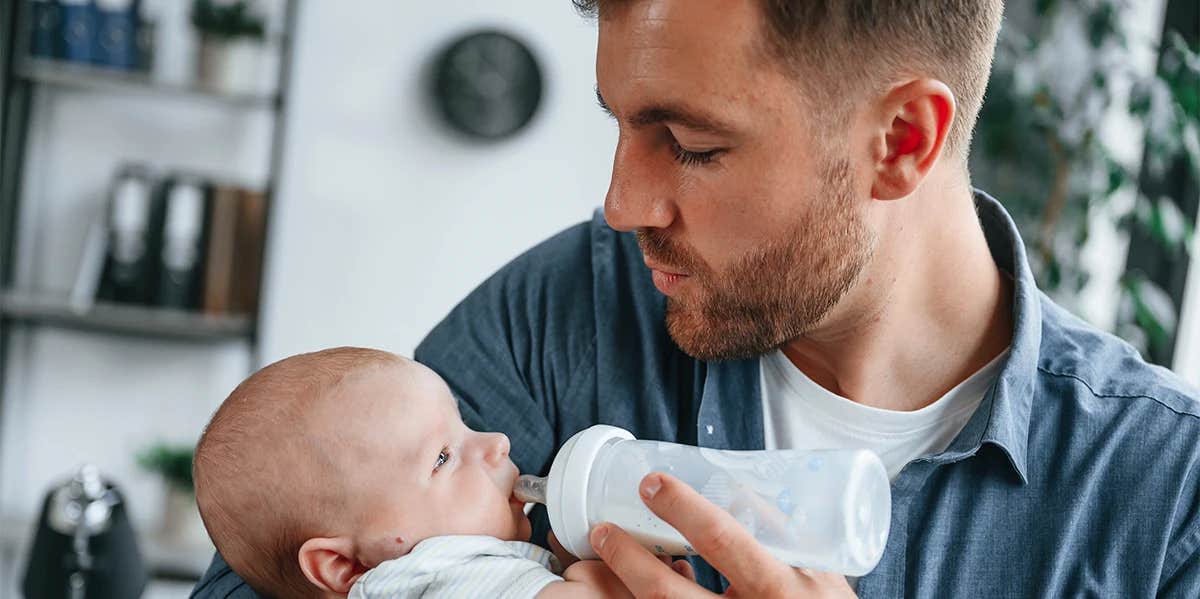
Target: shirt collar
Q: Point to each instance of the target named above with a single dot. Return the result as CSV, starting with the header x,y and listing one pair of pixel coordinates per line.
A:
x,y
1003,418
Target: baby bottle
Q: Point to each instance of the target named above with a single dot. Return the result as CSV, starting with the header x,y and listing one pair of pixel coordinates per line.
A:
x,y
826,509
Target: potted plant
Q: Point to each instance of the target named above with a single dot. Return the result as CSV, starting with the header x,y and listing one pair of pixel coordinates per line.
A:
x,y
181,524
232,36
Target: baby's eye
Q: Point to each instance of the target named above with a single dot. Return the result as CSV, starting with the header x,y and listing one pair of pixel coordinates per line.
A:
x,y
443,457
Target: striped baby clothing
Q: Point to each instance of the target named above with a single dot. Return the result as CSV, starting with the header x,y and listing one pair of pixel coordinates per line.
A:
x,y
461,566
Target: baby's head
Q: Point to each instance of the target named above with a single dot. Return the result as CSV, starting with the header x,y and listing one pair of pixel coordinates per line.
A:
x,y
323,465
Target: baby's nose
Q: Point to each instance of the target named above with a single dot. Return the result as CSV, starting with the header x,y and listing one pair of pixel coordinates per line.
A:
x,y
497,447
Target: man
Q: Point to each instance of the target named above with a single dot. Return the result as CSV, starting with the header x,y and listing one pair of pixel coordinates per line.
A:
x,y
799,261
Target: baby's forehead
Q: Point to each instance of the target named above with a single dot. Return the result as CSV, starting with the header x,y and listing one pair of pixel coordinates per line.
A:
x,y
416,393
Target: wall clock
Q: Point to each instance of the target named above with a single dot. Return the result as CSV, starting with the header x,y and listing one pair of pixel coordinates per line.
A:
x,y
487,84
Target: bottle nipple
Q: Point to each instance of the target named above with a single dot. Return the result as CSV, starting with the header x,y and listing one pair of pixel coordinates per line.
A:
x,y
530,489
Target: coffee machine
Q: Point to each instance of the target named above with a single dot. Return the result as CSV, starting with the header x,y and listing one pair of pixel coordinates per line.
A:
x,y
85,547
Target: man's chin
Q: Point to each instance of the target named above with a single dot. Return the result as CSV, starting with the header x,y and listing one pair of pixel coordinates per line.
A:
x,y
709,339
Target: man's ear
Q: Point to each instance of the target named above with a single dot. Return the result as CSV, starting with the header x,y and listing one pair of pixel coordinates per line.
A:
x,y
331,564
914,121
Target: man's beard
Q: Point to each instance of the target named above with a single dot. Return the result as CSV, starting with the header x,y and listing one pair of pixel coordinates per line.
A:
x,y
775,293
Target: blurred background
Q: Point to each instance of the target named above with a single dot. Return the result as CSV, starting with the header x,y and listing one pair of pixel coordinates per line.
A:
x,y
191,189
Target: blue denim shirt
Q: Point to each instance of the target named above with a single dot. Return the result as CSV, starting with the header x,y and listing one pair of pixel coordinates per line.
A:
x,y
1078,475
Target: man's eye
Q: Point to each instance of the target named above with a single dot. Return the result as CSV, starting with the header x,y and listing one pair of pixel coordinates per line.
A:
x,y
443,457
689,158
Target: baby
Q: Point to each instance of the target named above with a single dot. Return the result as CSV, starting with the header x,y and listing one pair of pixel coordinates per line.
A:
x,y
350,472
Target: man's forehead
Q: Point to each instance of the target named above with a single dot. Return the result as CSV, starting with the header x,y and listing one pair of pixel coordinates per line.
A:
x,y
661,52
681,37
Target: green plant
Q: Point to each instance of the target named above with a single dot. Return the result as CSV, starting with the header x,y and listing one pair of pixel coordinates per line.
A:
x,y
1041,147
172,462
227,19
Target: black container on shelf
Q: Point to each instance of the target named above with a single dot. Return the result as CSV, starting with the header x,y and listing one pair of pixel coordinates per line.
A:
x,y
179,261
133,213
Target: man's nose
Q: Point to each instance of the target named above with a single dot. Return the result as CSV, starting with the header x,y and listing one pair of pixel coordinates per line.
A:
x,y
640,192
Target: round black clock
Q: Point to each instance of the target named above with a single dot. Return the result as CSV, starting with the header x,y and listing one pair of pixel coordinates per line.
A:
x,y
487,84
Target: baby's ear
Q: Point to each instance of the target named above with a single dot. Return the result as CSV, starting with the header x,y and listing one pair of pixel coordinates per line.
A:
x,y
331,564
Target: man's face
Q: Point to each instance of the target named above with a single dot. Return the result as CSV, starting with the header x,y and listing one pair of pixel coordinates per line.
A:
x,y
751,219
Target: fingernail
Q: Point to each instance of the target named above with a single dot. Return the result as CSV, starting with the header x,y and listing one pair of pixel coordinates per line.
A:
x,y
651,486
599,534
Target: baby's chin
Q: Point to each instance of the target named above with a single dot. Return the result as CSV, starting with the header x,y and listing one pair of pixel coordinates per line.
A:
x,y
522,529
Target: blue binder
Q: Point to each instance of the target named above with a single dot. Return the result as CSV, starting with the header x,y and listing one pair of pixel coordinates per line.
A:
x,y
78,30
115,42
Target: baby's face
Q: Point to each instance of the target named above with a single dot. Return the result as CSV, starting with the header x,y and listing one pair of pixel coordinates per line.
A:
x,y
431,475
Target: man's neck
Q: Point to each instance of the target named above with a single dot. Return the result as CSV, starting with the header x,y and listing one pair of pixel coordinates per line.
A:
x,y
931,309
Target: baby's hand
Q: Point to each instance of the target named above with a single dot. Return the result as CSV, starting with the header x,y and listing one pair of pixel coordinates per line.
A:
x,y
589,579
592,579
599,581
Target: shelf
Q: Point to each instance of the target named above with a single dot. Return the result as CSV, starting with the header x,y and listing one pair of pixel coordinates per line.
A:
x,y
66,74
138,321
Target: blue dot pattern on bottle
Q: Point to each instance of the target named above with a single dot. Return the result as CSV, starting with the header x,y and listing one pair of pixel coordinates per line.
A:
x,y
815,463
659,549
689,549
784,502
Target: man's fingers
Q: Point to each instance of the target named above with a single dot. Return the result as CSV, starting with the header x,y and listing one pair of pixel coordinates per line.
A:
x,y
714,534
684,569
641,571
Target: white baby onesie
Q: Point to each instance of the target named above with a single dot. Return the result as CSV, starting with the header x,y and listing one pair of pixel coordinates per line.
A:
x,y
465,566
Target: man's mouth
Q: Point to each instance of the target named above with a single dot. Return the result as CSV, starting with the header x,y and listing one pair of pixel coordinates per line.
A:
x,y
657,266
666,279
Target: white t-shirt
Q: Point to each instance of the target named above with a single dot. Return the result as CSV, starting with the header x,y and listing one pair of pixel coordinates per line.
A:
x,y
800,414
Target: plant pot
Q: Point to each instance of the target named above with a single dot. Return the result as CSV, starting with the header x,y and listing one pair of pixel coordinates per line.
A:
x,y
230,65
181,523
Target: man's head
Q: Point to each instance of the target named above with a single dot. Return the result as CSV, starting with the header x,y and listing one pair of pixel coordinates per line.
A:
x,y
760,142
323,465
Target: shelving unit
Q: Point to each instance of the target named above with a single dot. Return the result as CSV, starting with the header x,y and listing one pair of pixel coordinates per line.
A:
x,y
24,309
124,319
56,73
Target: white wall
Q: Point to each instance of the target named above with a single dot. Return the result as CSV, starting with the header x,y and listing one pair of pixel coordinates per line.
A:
x,y
388,219
383,222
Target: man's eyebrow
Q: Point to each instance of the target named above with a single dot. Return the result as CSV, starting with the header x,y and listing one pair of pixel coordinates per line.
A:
x,y
668,113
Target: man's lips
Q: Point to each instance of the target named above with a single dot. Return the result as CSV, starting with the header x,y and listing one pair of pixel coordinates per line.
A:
x,y
666,282
666,270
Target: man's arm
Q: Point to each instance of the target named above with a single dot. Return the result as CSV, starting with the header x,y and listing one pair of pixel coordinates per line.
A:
x,y
221,582
1184,583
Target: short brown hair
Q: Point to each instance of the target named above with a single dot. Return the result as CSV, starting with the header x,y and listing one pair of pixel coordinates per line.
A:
x,y
858,46
255,507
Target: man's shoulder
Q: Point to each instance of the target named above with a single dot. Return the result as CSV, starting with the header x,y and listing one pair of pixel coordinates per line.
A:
x,y
1107,369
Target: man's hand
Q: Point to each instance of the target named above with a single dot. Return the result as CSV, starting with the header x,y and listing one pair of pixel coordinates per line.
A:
x,y
753,573
681,567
